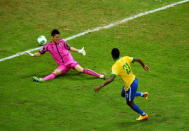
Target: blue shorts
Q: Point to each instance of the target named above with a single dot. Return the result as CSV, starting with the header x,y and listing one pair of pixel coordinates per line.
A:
x,y
131,93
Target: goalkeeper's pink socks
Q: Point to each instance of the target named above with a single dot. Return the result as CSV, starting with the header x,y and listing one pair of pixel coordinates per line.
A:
x,y
86,71
49,77
91,72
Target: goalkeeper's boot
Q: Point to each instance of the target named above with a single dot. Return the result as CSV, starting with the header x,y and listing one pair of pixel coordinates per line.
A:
x,y
36,79
102,77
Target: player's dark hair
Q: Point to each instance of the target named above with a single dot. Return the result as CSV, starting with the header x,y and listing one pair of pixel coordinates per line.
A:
x,y
54,32
115,53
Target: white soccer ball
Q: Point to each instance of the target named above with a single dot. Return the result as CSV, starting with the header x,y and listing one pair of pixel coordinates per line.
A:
x,y
42,40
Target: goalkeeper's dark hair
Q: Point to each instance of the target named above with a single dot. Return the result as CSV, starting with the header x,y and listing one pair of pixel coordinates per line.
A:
x,y
54,32
115,53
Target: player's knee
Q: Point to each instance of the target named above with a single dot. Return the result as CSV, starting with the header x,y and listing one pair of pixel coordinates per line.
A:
x,y
130,103
80,70
57,72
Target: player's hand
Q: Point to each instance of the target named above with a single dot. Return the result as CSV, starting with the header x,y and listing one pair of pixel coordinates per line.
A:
x,y
82,51
146,67
29,54
97,88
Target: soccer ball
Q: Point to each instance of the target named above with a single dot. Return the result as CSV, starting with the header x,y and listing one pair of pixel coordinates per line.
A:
x,y
41,40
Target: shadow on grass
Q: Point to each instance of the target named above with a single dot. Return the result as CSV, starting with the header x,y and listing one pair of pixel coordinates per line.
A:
x,y
133,123
19,102
79,76
140,123
69,76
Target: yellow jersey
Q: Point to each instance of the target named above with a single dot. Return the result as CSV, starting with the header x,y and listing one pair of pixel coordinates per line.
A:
x,y
122,68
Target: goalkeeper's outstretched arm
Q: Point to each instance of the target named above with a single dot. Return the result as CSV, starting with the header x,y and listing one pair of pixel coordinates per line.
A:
x,y
37,54
31,54
80,51
42,51
74,49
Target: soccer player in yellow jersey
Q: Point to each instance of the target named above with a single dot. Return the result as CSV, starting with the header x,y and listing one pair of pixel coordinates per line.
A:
x,y
122,68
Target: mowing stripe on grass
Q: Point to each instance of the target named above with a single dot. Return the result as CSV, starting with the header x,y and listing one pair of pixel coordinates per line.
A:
x,y
102,27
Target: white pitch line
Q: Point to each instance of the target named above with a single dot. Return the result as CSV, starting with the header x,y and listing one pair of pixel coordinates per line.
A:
x,y
103,27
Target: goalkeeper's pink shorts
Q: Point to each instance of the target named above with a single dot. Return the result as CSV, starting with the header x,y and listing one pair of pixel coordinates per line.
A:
x,y
66,68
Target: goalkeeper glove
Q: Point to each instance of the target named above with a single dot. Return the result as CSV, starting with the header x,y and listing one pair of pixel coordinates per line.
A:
x,y
82,51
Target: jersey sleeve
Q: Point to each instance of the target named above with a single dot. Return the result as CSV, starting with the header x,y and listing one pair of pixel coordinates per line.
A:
x,y
115,71
130,59
66,45
44,49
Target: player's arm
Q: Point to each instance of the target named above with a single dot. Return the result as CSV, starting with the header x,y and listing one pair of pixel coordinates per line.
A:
x,y
80,51
146,67
74,49
42,51
37,54
105,83
31,54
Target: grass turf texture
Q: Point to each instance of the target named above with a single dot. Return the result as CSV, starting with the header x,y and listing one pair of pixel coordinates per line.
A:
x,y
69,103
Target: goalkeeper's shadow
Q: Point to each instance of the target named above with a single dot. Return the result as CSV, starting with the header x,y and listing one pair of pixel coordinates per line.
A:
x,y
78,76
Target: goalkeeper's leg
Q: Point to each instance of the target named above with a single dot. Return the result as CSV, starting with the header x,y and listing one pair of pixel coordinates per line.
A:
x,y
60,70
46,78
88,71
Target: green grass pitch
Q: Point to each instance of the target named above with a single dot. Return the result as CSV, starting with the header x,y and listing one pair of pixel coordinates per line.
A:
x,y
69,103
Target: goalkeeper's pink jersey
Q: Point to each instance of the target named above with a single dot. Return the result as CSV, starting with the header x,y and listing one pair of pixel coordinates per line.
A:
x,y
59,52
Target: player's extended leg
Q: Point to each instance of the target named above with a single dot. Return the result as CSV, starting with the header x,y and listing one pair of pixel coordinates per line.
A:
x,y
145,94
61,69
53,75
88,71
136,108
130,95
